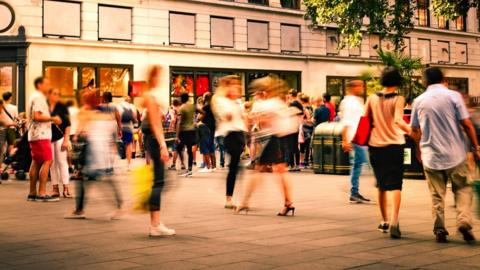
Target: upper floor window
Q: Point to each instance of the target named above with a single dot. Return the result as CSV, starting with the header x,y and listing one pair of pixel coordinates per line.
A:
x,y
221,32
423,13
333,39
443,52
461,53
182,28
257,35
259,2
461,23
290,4
443,23
290,36
424,50
114,22
61,18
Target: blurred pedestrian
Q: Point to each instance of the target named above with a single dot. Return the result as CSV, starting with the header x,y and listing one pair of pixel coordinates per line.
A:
x,y
186,134
230,125
128,117
39,138
386,144
439,120
321,113
276,122
351,110
156,147
327,100
9,117
172,128
292,139
207,148
60,144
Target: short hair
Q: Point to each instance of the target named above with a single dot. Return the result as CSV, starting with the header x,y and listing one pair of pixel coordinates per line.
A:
x,y
107,97
327,97
433,75
391,77
305,98
38,81
293,93
70,103
184,97
176,102
7,96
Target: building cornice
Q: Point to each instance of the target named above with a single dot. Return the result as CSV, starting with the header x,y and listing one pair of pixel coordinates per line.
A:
x,y
214,51
249,6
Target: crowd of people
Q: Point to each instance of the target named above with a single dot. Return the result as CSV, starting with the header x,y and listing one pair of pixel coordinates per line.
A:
x,y
274,131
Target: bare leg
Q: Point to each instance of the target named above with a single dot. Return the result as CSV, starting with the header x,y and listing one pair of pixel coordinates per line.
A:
x,y
154,218
34,168
43,177
213,160
206,161
128,152
250,186
382,202
397,199
281,171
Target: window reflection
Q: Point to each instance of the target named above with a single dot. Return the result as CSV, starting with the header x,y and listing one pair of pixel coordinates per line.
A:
x,y
423,13
460,23
182,82
6,79
442,22
88,76
114,80
63,79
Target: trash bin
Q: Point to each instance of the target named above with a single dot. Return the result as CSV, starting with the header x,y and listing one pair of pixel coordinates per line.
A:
x,y
328,155
413,168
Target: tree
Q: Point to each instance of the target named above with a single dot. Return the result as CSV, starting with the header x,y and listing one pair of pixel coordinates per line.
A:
x,y
389,19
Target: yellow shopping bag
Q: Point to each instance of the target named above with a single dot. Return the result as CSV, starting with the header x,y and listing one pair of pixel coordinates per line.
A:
x,y
142,187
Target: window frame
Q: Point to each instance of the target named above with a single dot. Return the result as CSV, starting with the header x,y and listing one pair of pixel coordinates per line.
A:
x,y
299,37
464,24
233,31
268,35
337,51
98,22
466,52
429,48
61,36
265,3
447,23
14,67
194,30
297,4
449,51
423,7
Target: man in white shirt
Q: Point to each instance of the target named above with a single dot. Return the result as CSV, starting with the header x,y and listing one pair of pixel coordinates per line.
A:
x,y
351,110
8,116
39,138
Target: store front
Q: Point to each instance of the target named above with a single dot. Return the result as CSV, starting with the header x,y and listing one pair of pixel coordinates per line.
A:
x,y
69,78
198,81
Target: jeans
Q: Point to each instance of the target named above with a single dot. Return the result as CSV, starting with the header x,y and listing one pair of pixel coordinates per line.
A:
x,y
234,144
153,150
357,159
81,197
219,140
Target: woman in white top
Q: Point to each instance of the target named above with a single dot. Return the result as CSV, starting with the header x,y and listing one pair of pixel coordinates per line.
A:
x,y
231,125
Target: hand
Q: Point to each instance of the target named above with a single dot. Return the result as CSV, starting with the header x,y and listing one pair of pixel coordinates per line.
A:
x,y
65,145
164,156
119,134
56,120
347,146
177,140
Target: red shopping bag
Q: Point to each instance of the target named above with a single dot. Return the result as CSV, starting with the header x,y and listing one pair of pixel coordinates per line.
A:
x,y
363,131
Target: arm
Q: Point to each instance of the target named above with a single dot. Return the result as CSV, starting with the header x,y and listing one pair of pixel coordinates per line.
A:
x,y
155,126
471,134
39,117
399,116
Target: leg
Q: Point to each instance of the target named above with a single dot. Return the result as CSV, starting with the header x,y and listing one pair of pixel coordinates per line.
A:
x,y
437,182
357,160
128,151
180,147
383,204
234,144
397,199
116,191
190,154
213,160
221,150
307,152
155,197
55,175
462,187
281,171
33,175
80,196
43,177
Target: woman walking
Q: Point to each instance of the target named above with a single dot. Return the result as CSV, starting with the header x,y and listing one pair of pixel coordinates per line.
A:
x,y
276,121
231,125
156,147
60,143
186,135
386,145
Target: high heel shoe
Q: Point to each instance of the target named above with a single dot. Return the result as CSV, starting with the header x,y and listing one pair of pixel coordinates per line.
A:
x,y
239,209
287,210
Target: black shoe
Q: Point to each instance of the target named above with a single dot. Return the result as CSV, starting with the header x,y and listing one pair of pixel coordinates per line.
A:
x,y
31,198
363,198
395,232
441,236
383,227
47,198
466,231
172,167
356,199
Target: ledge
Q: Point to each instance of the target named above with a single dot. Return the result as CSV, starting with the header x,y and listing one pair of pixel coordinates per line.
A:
x,y
256,7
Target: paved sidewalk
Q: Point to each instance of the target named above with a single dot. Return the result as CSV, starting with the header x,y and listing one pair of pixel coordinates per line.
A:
x,y
326,233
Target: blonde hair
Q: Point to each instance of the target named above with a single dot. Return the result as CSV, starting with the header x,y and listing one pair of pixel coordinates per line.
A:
x,y
272,85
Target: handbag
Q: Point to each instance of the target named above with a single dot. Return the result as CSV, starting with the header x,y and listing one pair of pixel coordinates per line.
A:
x,y
364,130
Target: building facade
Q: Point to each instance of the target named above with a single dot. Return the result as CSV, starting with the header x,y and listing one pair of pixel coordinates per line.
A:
x,y
113,42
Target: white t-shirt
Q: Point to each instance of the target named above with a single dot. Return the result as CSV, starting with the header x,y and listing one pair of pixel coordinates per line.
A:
x,y
73,114
351,110
12,110
222,107
39,130
283,120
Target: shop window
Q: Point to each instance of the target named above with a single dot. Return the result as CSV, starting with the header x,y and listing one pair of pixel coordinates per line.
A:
x,y
374,45
61,18
461,23
458,84
295,4
182,28
292,80
181,82
424,50
443,52
114,80
88,77
461,53
221,32
7,79
257,35
259,2
202,84
290,36
63,79
423,13
332,42
443,23
114,23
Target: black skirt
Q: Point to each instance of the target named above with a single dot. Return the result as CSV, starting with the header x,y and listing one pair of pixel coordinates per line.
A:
x,y
273,152
387,163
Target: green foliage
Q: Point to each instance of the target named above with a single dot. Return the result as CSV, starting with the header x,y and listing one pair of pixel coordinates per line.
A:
x,y
452,9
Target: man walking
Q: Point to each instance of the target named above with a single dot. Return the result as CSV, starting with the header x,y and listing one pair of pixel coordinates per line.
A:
x,y
39,138
351,109
439,119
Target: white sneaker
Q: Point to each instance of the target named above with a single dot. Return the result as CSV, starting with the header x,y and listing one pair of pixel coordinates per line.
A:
x,y
161,230
205,170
